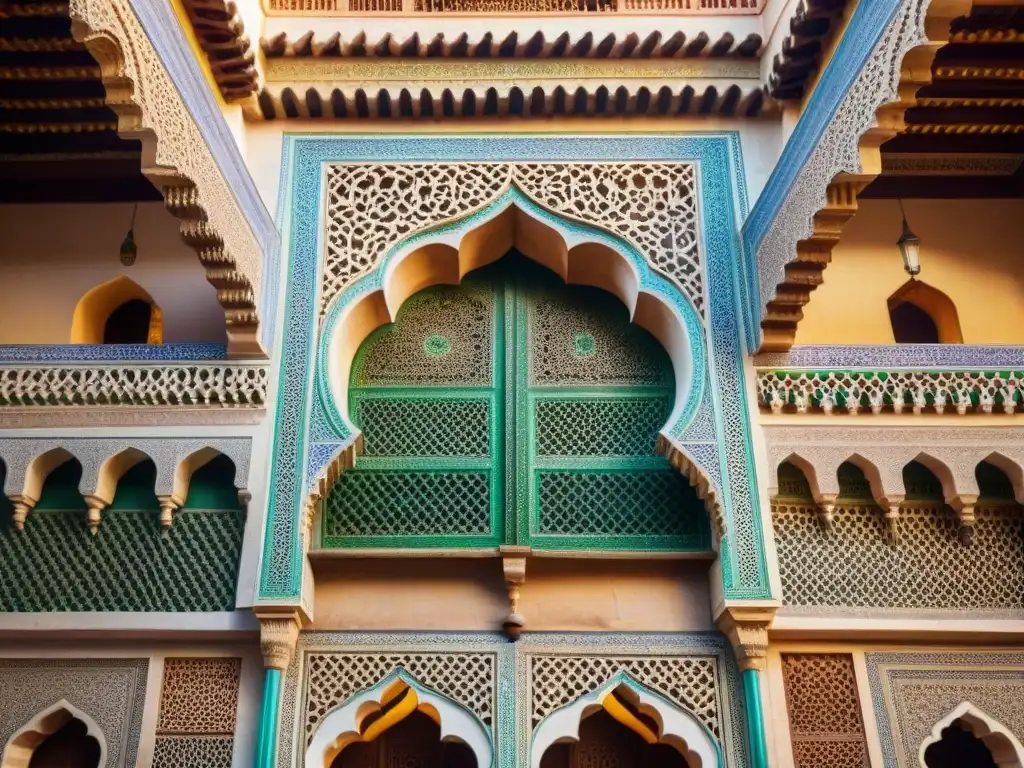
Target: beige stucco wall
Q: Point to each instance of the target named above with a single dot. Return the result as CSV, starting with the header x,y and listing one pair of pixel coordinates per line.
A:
x,y
970,249
51,255
466,595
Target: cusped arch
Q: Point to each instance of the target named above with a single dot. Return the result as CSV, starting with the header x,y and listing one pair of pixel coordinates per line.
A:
x,y
620,697
20,747
1006,749
93,309
579,253
396,696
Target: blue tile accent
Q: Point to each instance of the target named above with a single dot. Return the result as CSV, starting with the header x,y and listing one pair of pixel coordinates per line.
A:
x,y
895,356
870,18
111,353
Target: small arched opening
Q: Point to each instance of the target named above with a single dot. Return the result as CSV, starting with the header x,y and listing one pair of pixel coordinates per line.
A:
x,y
119,311
958,748
607,743
415,741
59,737
921,314
969,737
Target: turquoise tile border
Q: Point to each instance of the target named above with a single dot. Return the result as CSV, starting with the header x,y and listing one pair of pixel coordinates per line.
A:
x,y
717,156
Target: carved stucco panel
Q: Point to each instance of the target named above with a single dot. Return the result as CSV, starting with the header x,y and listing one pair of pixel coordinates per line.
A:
x,y
179,144
911,692
110,691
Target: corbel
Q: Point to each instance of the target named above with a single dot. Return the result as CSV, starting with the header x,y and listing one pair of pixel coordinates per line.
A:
x,y
513,566
95,505
891,505
964,505
747,630
826,509
22,505
169,504
279,634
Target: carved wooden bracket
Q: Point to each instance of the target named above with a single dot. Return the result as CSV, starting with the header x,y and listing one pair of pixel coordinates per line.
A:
x,y
513,565
177,161
805,272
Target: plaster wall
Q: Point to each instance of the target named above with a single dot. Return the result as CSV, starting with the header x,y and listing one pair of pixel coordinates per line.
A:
x,y
970,250
51,255
570,595
760,140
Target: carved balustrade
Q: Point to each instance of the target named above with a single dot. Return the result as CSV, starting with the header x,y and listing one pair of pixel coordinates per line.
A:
x,y
188,384
496,7
892,391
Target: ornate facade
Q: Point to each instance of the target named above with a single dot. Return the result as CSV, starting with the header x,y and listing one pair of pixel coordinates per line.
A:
x,y
511,384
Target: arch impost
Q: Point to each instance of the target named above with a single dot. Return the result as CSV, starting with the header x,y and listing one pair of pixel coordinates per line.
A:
x,y
746,626
23,504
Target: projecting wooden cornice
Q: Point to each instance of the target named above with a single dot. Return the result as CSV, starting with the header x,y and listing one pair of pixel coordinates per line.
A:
x,y
811,28
655,45
221,35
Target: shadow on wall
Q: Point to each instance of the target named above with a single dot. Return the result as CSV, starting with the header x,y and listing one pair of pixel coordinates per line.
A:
x,y
63,278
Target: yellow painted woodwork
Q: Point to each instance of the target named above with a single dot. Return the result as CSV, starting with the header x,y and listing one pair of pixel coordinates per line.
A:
x,y
615,708
197,50
393,716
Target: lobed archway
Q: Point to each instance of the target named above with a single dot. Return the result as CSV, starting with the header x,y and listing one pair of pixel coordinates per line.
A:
x,y
83,739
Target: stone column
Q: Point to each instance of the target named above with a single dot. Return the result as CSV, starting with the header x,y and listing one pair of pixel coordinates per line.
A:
x,y
747,630
279,634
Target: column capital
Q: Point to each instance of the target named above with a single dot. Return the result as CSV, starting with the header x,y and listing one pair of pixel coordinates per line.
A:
x,y
747,630
279,634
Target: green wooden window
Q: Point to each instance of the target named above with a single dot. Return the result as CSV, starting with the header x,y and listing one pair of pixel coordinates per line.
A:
x,y
512,409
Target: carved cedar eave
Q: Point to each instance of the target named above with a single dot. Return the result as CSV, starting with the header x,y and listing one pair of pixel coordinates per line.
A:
x,y
182,196
706,490
222,37
805,271
344,459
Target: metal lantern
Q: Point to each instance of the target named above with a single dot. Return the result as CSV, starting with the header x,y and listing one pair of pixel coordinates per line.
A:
x,y
129,251
910,247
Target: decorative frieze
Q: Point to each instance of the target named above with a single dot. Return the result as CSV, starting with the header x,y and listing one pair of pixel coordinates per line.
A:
x,y
220,384
894,391
560,7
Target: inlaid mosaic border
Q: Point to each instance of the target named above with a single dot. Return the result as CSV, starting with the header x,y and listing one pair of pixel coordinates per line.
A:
x,y
721,197
511,725
939,670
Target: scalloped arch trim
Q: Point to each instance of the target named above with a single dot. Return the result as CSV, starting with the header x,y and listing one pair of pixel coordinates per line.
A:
x,y
20,747
1006,749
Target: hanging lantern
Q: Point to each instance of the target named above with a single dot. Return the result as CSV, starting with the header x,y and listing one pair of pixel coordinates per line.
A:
x,y
910,247
129,251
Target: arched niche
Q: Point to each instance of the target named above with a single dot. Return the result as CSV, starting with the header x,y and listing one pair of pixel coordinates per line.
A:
x,y
102,303
1005,748
922,314
656,719
19,750
368,714
577,253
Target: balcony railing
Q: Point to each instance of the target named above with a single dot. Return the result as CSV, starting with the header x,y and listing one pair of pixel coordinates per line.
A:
x,y
892,391
506,7
162,385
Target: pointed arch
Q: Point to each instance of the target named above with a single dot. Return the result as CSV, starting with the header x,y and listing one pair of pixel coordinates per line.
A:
x,y
620,696
806,468
1013,471
939,308
398,695
112,470
20,747
942,473
1006,749
37,471
99,302
881,491
187,467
